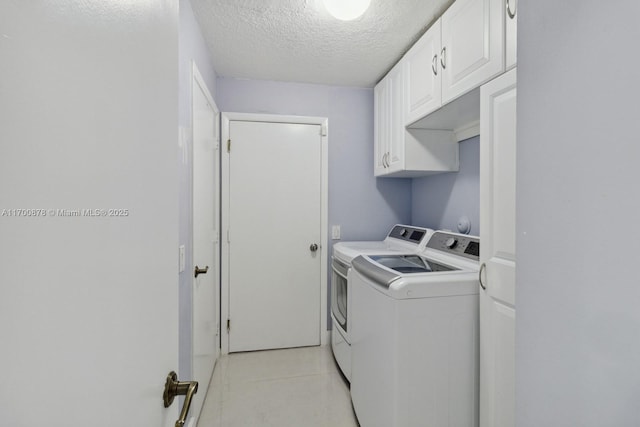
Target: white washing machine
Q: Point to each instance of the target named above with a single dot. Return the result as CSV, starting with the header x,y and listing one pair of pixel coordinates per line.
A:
x,y
414,335
401,239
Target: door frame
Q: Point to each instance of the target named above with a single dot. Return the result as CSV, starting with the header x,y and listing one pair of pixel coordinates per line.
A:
x,y
198,80
226,118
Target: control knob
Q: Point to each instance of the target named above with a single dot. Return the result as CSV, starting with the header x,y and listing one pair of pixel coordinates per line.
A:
x,y
451,242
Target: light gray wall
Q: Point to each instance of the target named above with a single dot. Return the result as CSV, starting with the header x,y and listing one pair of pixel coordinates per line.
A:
x,y
578,289
192,48
364,206
440,200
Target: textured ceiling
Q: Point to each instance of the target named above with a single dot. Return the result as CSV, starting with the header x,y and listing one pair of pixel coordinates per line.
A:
x,y
298,41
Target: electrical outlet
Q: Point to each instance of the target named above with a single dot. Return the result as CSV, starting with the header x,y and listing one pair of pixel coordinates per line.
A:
x,y
335,232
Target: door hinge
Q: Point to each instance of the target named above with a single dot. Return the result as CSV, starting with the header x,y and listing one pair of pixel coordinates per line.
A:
x,y
228,325
323,130
229,145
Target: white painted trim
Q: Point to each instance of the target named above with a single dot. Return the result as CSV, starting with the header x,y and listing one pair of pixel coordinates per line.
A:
x,y
196,78
325,338
324,213
467,131
224,233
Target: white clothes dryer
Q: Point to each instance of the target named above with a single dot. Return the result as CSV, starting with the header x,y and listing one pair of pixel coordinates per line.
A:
x,y
400,239
414,335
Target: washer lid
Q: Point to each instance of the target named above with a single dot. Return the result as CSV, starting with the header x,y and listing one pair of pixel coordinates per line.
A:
x,y
454,281
410,264
385,269
347,251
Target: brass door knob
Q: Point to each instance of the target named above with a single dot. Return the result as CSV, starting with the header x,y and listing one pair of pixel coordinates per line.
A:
x,y
199,270
173,388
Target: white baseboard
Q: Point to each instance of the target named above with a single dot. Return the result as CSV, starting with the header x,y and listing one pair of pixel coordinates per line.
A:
x,y
325,338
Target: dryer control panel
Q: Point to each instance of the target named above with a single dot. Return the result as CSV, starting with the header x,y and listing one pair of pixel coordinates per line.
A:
x,y
407,233
457,244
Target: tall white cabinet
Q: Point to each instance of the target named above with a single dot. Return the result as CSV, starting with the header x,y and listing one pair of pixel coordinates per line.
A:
x,y
497,251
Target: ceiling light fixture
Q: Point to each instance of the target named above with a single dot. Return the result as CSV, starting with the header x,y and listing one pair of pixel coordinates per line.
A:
x,y
346,10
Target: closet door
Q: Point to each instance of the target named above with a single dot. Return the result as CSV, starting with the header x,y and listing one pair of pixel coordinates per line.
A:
x,y
497,251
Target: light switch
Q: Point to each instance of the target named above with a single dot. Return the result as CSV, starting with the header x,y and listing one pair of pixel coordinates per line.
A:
x,y
181,259
335,232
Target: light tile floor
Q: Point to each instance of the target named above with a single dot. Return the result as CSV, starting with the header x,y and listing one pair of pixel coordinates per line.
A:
x,y
290,387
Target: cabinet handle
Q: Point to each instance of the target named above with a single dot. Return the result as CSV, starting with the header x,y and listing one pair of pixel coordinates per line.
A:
x,y
443,52
384,160
512,15
482,268
434,64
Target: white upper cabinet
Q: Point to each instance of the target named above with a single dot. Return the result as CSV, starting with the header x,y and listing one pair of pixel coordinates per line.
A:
x,y
431,98
395,156
389,123
472,45
511,29
402,152
423,76
381,128
462,50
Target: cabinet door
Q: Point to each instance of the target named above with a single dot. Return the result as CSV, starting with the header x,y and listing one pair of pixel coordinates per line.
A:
x,y
497,252
423,76
511,28
472,45
381,126
395,156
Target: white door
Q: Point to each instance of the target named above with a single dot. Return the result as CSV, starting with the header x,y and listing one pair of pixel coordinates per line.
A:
x,y
472,45
497,251
89,212
274,235
206,258
423,76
